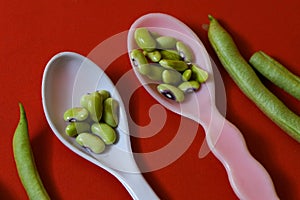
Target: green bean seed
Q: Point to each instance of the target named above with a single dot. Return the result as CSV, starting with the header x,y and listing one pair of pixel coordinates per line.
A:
x,y
76,114
246,79
166,42
171,92
154,34
154,56
189,86
94,106
106,132
139,60
155,72
144,39
276,73
111,112
171,77
174,64
91,142
145,69
186,75
170,55
84,100
184,51
25,162
74,128
200,74
104,93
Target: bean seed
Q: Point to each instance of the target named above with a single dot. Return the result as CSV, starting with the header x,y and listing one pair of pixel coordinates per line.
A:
x,y
74,128
94,106
171,92
84,100
174,64
200,74
76,114
144,39
111,112
184,51
90,141
171,77
140,61
154,34
166,42
170,55
104,93
155,72
189,86
186,75
154,56
106,133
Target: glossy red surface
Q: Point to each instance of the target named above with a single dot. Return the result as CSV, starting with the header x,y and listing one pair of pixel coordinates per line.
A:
x,y
33,31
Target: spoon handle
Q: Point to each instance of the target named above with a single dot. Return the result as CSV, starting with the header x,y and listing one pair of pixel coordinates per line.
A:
x,y
137,186
247,176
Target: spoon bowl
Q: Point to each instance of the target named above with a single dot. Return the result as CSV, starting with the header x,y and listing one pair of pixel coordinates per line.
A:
x,y
66,78
248,178
168,26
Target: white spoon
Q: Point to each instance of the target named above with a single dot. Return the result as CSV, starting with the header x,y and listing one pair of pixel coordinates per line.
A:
x,y
66,78
247,177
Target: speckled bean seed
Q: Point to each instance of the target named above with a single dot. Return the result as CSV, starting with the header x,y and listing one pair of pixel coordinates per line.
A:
x,y
171,92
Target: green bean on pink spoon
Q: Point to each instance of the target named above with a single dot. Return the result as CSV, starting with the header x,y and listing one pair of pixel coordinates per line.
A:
x,y
248,178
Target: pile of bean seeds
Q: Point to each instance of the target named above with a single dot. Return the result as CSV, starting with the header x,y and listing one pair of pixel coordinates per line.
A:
x,y
94,122
169,62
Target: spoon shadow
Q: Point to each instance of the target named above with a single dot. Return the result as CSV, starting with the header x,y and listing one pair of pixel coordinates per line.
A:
x,y
42,156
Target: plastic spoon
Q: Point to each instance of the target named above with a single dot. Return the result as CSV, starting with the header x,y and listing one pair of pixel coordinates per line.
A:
x,y
66,78
247,177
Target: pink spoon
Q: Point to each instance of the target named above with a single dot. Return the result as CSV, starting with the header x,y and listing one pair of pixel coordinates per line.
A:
x,y
248,178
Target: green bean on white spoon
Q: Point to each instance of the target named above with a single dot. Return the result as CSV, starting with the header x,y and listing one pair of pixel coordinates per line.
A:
x,y
247,177
66,78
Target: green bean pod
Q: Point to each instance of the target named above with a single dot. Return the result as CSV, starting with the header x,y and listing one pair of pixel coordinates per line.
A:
x,y
276,73
25,163
246,79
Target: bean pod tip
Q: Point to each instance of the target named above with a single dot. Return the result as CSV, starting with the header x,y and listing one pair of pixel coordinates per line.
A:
x,y
210,17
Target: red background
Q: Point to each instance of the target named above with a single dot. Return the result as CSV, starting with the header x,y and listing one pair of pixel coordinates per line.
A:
x,y
33,31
